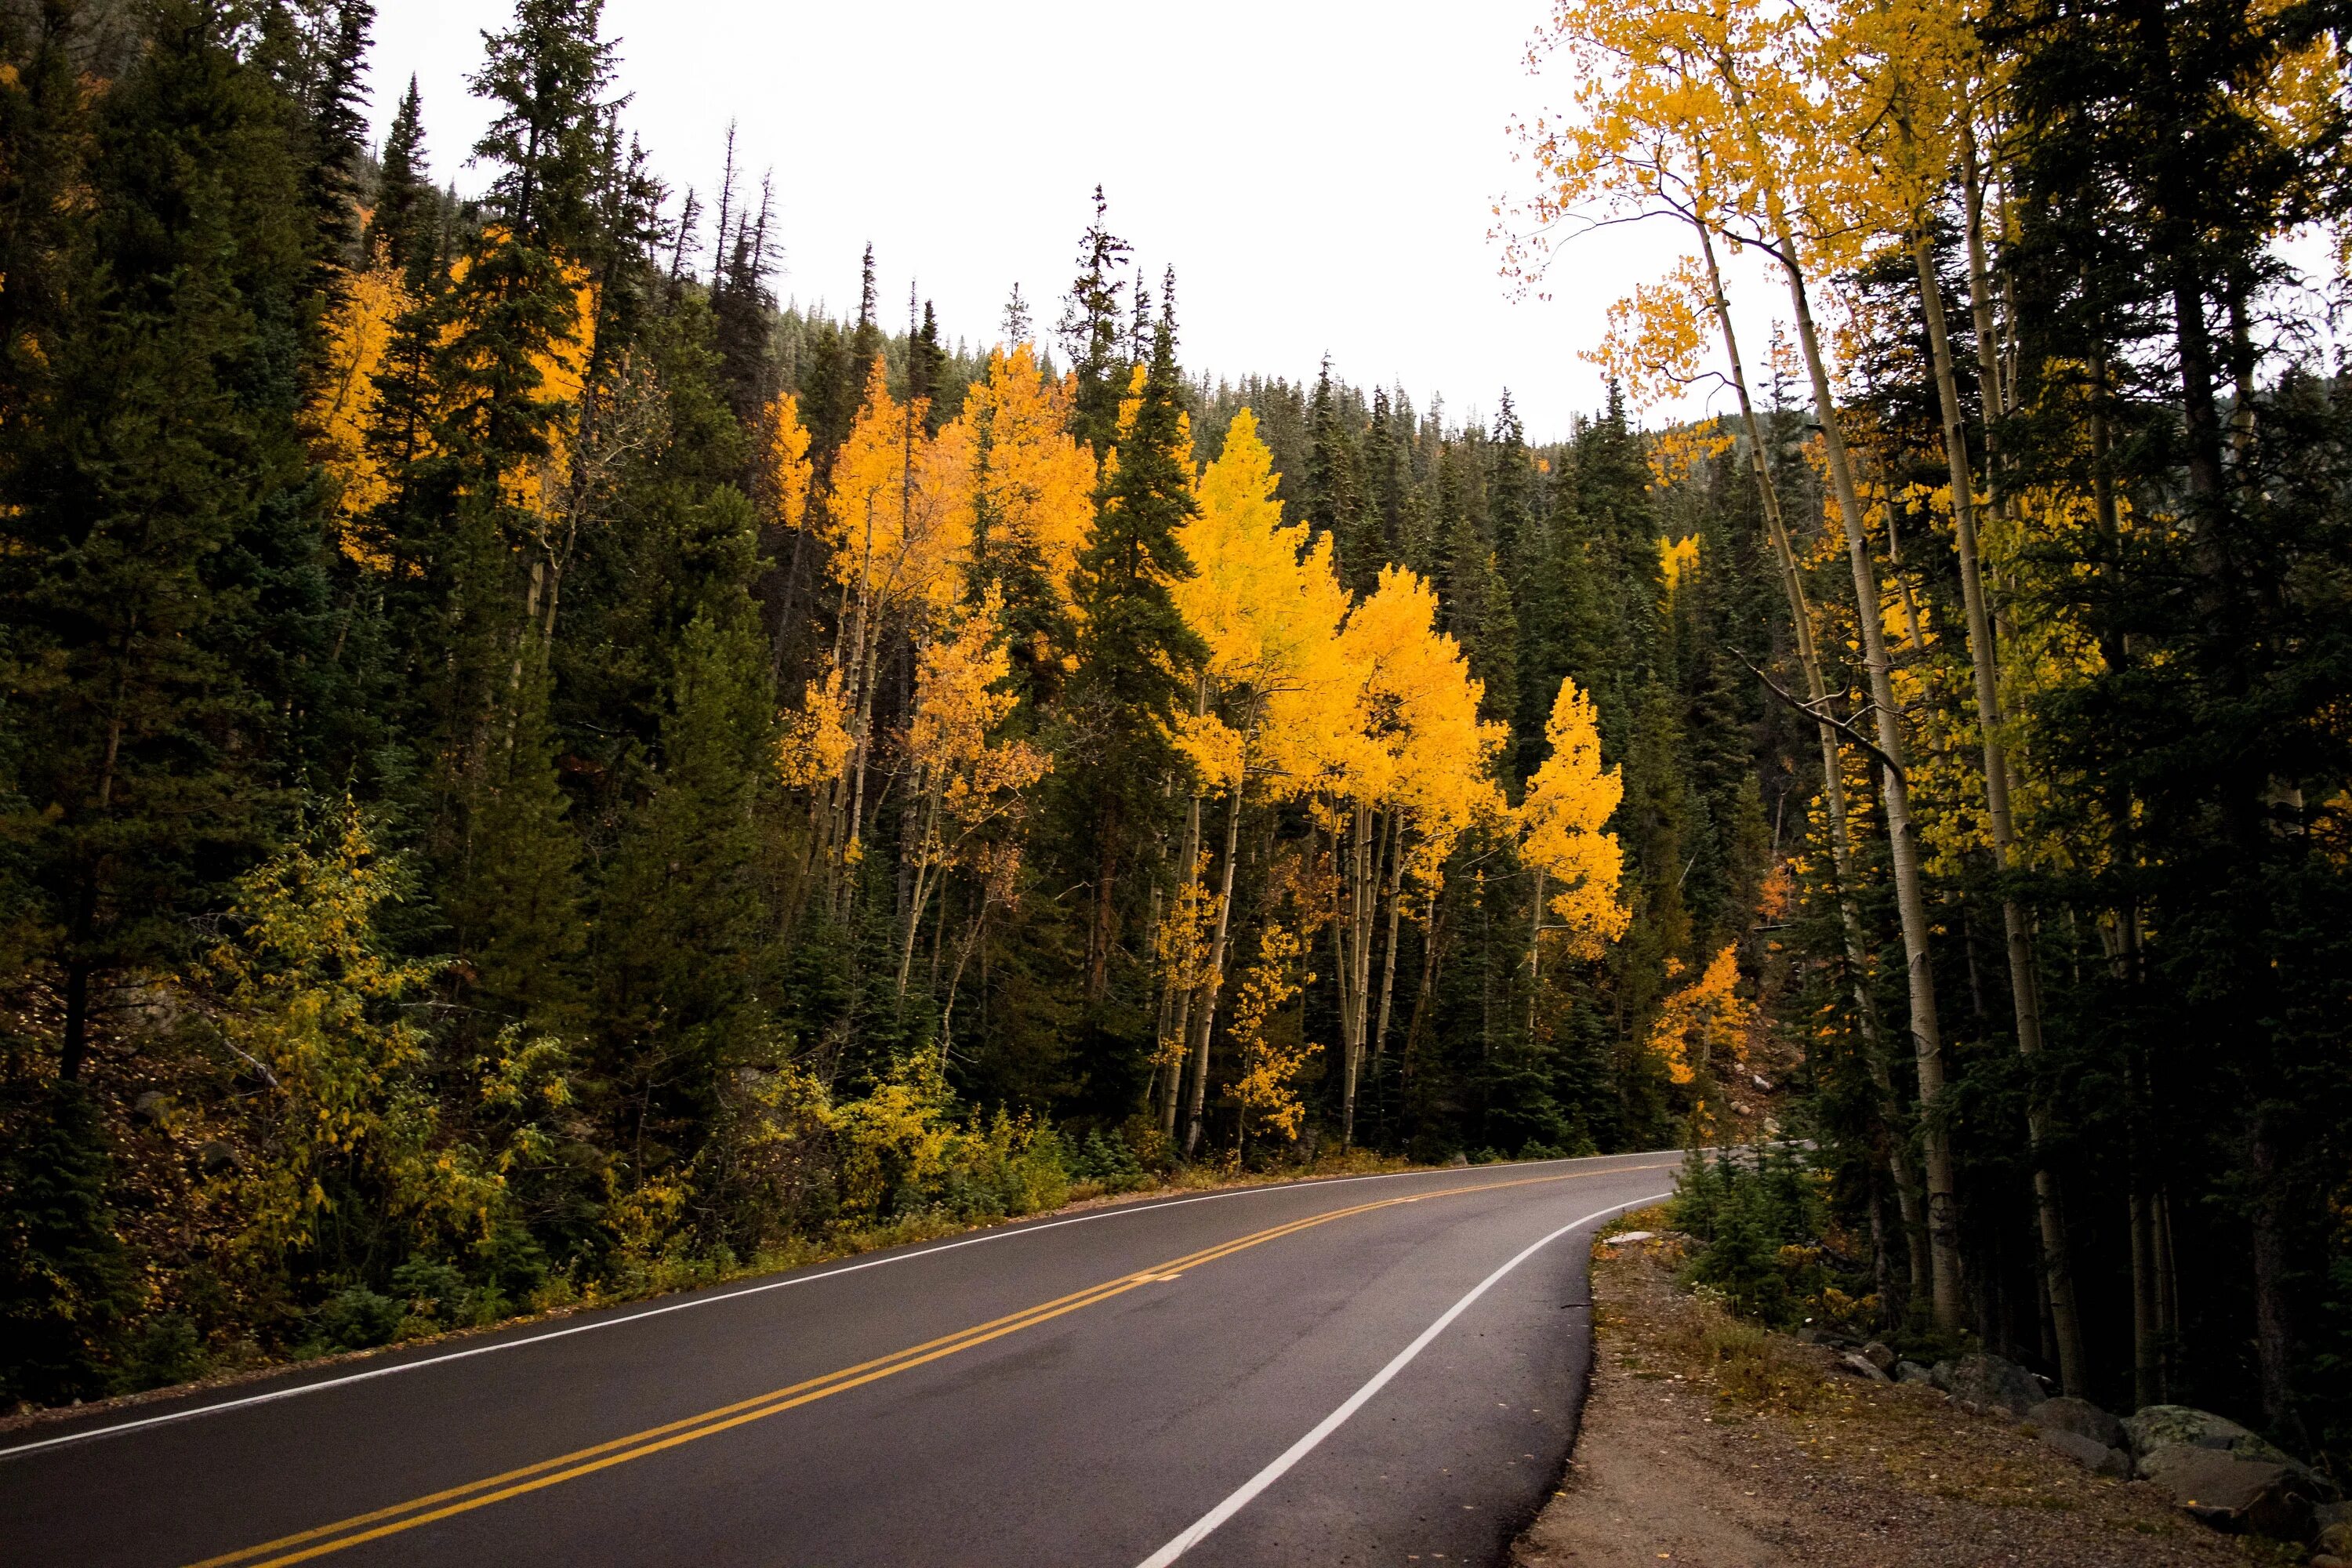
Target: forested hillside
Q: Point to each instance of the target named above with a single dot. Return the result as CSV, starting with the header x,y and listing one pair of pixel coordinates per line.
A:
x,y
533,772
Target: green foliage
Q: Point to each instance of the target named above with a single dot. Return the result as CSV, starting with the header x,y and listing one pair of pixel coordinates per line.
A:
x,y
357,1318
1761,1215
66,1285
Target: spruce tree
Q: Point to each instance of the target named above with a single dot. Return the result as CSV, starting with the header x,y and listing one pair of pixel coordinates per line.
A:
x,y
1333,494
1090,333
162,577
687,952
1135,645
401,227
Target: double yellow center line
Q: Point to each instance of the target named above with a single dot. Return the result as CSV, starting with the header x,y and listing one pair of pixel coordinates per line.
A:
x,y
360,1528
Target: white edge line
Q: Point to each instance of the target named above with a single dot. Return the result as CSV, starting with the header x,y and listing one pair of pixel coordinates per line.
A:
x,y
1001,1233
1202,1527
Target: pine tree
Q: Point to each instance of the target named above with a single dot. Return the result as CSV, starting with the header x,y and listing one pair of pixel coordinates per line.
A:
x,y
515,900
401,227
685,974
742,309
1333,497
1135,645
927,367
547,73
161,578
1090,333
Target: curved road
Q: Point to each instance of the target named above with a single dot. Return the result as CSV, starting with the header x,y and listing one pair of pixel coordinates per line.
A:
x,y
1375,1369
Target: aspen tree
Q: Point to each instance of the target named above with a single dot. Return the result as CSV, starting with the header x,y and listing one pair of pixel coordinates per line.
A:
x,y
1267,606
1907,71
1726,80
1418,753
897,522
1561,824
1655,347
966,779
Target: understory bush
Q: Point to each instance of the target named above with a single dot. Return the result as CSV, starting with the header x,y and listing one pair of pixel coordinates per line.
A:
x,y
1761,1218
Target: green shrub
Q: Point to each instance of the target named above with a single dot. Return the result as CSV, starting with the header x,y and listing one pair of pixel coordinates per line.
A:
x,y
1760,1215
356,1318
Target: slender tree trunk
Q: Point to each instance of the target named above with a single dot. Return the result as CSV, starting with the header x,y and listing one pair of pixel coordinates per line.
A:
x,y
918,861
1911,904
1355,962
2273,1327
1215,979
2146,1384
1984,660
1535,952
1389,955
1842,860
1177,984
1433,941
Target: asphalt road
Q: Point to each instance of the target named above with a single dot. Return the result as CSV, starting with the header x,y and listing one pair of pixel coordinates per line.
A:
x,y
1376,1370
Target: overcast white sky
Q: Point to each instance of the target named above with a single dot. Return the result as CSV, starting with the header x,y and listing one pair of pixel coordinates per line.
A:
x,y
1318,172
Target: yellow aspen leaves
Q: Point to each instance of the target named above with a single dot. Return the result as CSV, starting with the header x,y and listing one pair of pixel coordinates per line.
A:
x,y
1425,752
1704,1023
343,407
959,705
1267,1089
561,365
1033,482
814,741
1657,336
1568,800
784,466
1268,603
900,515
1677,559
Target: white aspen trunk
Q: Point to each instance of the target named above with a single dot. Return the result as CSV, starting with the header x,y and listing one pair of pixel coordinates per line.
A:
x,y
1984,662
1212,981
1388,953
1911,904
1898,1156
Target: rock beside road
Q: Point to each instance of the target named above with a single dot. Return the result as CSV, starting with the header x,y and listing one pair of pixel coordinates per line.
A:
x,y
2088,1452
1989,1383
2081,1418
2242,1496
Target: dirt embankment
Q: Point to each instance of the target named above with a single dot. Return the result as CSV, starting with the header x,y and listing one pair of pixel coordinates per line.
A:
x,y
1708,1441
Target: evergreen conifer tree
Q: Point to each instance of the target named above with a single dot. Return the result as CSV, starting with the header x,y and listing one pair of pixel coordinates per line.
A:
x,y
161,577
1135,643
1090,333
401,227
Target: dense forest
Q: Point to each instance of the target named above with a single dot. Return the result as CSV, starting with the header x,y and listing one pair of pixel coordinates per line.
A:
x,y
532,772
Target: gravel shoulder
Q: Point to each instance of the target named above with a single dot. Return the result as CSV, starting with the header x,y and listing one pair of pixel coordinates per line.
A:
x,y
1705,1441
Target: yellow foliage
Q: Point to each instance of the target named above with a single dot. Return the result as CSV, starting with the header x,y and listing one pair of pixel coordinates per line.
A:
x,y
1267,1089
539,485
1268,603
1656,336
1676,557
814,742
1181,946
1033,483
958,706
1673,452
901,1133
307,990
343,406
1705,1022
1561,824
1424,750
898,517
785,469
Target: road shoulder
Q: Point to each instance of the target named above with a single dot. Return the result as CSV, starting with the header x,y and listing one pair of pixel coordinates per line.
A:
x,y
1707,1440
